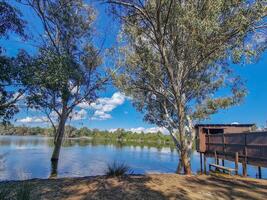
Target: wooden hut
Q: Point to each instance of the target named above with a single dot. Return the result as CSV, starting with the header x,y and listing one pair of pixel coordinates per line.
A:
x,y
202,130
235,142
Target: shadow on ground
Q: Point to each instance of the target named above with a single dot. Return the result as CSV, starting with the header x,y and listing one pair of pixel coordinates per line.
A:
x,y
160,186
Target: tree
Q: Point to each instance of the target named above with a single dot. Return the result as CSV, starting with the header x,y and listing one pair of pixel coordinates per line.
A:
x,y
176,58
66,72
10,74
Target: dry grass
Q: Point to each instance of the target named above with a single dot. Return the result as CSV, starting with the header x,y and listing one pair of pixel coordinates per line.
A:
x,y
14,191
160,186
117,169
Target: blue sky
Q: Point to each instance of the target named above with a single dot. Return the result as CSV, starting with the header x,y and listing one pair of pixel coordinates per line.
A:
x,y
114,110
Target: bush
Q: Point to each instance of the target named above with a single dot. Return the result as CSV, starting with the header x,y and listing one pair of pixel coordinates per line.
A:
x,y
22,191
5,193
118,169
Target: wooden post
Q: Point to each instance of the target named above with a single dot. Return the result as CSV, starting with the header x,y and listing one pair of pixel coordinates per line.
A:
x,y
201,167
245,163
223,156
215,157
244,168
208,139
236,163
259,170
205,164
223,165
223,140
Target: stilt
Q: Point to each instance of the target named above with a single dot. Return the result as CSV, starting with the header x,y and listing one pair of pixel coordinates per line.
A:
x,y
236,163
205,164
244,163
259,170
201,165
216,158
223,165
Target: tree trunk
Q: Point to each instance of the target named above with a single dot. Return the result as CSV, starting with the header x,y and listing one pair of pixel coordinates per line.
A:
x,y
53,171
179,167
58,139
186,163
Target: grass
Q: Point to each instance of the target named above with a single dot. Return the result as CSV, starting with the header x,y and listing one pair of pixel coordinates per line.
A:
x,y
18,192
117,169
5,193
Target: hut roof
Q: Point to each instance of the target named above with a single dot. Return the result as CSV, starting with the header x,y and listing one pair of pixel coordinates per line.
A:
x,y
224,125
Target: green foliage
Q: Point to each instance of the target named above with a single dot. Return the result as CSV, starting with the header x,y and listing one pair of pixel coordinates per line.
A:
x,y
21,191
10,19
117,169
67,68
119,137
176,59
24,131
179,54
5,193
10,73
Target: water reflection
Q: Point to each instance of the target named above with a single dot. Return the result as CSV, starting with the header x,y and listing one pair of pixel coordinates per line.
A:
x,y
29,156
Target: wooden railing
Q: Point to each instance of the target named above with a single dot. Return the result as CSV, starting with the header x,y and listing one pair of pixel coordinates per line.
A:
x,y
251,147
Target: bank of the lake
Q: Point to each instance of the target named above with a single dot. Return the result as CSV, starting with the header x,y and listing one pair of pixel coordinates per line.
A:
x,y
116,135
153,186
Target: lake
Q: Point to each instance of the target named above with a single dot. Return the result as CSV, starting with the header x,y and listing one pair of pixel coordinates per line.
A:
x,y
26,157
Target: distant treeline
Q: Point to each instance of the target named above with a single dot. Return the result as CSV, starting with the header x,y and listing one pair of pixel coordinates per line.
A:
x,y
95,134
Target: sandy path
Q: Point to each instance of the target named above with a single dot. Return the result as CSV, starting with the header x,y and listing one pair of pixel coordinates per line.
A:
x,y
157,186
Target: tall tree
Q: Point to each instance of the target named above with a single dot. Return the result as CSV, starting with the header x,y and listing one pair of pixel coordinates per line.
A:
x,y
176,58
67,70
11,22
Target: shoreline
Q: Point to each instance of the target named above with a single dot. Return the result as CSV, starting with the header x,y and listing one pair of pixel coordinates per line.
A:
x,y
149,186
44,136
107,140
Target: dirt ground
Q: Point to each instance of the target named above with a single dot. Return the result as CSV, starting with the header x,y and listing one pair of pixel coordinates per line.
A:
x,y
154,186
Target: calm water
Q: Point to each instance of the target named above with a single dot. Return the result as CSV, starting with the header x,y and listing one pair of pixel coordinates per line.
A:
x,y
25,157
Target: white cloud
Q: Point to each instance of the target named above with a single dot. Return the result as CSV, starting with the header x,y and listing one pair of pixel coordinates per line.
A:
x,y
99,115
75,116
260,38
112,130
156,129
235,123
84,105
78,115
103,106
101,110
145,130
33,120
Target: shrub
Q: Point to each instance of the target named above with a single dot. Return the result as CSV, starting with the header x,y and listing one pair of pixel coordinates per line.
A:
x,y
5,193
21,191
118,169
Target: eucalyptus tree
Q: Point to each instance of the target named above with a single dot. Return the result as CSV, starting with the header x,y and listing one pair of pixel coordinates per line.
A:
x,y
10,22
176,58
67,70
